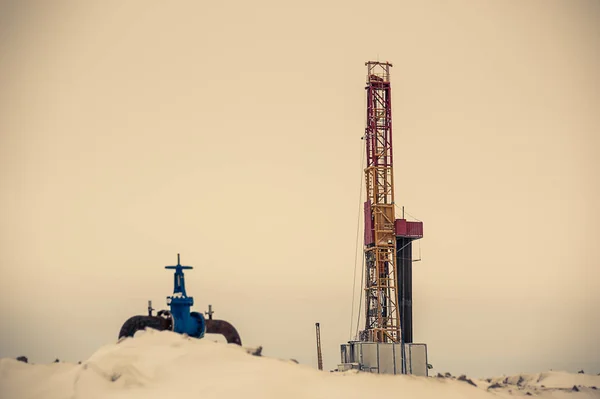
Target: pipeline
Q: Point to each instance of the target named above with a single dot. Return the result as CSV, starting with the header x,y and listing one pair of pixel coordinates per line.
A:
x,y
180,318
138,323
225,329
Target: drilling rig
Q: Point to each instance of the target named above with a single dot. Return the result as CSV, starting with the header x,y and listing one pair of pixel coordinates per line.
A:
x,y
385,345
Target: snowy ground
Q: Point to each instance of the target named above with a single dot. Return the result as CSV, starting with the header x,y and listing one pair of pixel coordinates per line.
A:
x,y
167,365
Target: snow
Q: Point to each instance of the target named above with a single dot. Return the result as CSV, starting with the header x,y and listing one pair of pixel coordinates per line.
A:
x,y
163,364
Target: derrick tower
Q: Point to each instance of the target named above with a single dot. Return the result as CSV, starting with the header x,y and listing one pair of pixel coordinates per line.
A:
x,y
381,298
385,345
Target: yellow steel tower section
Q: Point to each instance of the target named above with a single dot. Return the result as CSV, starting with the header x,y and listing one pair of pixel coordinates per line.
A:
x,y
382,312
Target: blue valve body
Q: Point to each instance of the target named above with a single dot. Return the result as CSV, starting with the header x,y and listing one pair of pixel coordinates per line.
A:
x,y
184,320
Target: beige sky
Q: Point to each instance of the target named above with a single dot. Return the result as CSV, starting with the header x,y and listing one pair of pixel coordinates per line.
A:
x,y
230,133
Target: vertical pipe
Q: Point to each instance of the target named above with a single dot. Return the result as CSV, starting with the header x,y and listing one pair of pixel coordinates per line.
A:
x,y
408,293
404,283
319,356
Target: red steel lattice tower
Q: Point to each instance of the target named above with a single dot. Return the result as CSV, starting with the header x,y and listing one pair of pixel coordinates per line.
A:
x,y
381,299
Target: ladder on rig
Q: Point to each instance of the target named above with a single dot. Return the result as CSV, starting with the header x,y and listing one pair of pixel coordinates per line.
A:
x,y
319,356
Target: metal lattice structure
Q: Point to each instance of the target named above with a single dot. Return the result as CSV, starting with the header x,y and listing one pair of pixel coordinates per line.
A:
x,y
385,345
382,312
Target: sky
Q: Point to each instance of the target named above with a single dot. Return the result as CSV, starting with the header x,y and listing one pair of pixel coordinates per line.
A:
x,y
229,132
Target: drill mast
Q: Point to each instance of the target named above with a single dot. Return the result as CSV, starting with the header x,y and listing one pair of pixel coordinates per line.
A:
x,y
382,312
385,346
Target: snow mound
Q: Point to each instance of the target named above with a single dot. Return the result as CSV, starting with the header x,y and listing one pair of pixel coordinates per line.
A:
x,y
162,364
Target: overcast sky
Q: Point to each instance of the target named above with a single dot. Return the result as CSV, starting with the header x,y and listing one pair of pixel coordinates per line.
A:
x,y
230,132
